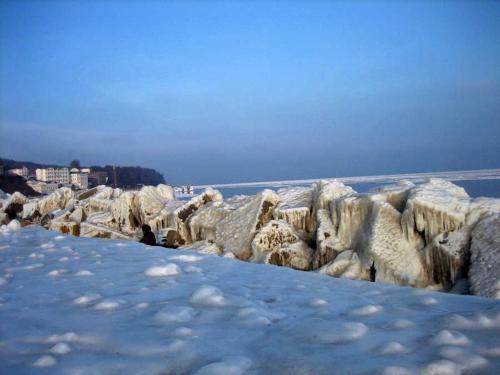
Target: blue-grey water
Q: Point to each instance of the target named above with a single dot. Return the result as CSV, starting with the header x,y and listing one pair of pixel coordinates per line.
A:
x,y
475,188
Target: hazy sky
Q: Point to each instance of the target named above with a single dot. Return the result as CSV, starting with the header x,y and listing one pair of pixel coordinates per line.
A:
x,y
210,92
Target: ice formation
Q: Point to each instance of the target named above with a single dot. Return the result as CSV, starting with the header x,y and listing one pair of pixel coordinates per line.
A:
x,y
202,223
425,235
235,232
295,207
178,216
277,243
327,243
326,191
395,258
435,207
484,273
347,265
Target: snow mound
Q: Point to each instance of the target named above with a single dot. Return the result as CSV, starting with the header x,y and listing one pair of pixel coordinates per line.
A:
x,y
229,366
347,332
61,348
367,310
45,361
175,314
447,337
208,296
169,269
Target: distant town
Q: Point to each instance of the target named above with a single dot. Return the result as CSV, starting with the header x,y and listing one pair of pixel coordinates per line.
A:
x,y
46,179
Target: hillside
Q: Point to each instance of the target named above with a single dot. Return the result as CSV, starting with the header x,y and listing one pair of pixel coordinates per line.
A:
x,y
11,184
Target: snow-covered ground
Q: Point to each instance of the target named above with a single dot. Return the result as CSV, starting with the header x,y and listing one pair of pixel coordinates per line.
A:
x,y
74,305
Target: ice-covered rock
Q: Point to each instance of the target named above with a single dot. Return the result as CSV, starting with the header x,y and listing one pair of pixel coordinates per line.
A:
x,y
294,207
88,193
395,258
326,191
88,229
396,194
66,227
327,243
17,197
125,213
445,259
347,265
202,222
30,211
13,204
484,272
61,198
203,247
435,207
351,219
78,215
297,255
235,232
178,215
95,204
150,200
271,237
480,208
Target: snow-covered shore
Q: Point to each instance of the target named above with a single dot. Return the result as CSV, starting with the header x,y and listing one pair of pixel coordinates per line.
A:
x,y
92,306
428,235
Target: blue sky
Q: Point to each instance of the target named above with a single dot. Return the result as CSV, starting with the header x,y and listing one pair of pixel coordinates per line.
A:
x,y
210,92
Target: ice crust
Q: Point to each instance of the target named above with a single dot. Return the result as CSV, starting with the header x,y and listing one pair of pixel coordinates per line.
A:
x,y
229,317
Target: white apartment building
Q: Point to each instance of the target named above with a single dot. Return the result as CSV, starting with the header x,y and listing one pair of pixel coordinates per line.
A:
x,y
79,179
59,175
43,187
23,172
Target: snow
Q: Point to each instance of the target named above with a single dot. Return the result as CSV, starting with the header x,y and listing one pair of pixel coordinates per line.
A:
x,y
447,337
208,296
229,317
169,269
61,348
45,361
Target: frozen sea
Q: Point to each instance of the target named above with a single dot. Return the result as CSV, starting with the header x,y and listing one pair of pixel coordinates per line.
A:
x,y
475,188
73,305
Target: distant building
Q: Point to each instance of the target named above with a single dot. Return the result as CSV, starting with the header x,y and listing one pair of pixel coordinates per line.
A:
x,y
43,187
59,175
98,178
23,172
79,178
